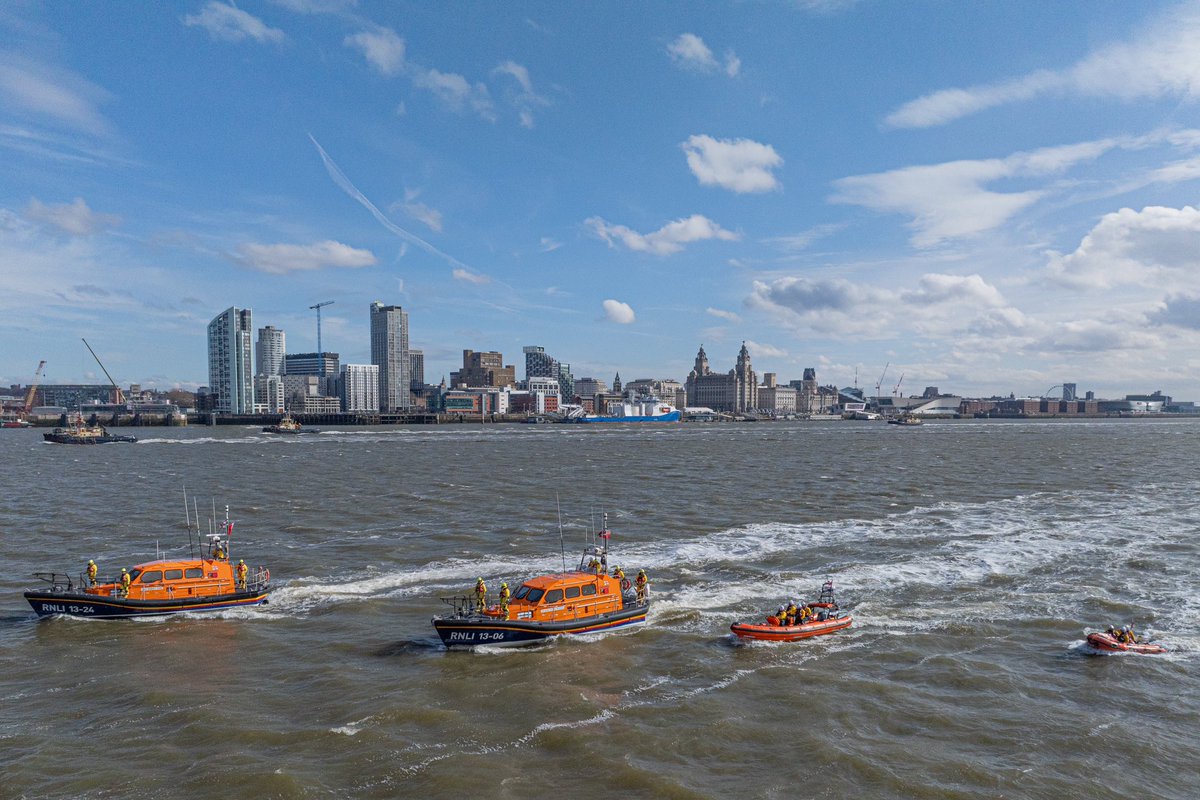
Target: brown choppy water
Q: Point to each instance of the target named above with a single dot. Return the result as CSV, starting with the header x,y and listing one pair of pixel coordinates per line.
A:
x,y
973,555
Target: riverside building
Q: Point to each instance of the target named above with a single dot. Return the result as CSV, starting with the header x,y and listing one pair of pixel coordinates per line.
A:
x,y
389,352
230,374
358,387
735,391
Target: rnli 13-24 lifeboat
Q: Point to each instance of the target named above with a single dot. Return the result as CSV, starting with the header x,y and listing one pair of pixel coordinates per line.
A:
x,y
585,600
1110,644
166,586
827,618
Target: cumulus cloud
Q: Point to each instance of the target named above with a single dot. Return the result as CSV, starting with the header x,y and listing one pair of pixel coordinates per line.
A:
x,y
1181,311
934,289
740,165
75,218
1160,61
280,259
950,201
761,350
668,239
618,312
48,92
457,93
466,276
382,48
1130,247
689,51
232,24
524,99
722,314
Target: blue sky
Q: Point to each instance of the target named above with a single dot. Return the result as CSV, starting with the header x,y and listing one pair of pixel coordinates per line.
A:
x,y
989,198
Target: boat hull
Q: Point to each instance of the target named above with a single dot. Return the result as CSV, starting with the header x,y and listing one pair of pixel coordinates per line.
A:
x,y
66,438
672,416
1102,641
79,604
473,631
789,633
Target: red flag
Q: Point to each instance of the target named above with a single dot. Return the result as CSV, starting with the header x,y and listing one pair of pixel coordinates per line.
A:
x,y
605,534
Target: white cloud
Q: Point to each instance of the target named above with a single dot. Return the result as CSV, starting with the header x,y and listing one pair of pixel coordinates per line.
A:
x,y
1181,311
949,201
316,6
457,92
280,259
740,165
466,276
74,218
382,48
934,289
548,245
419,211
722,314
1127,247
44,91
802,240
689,52
525,98
1162,60
666,240
232,24
618,312
761,350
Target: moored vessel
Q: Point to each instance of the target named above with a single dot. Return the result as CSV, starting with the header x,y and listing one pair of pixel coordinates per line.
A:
x,y
585,600
210,582
826,617
642,409
76,432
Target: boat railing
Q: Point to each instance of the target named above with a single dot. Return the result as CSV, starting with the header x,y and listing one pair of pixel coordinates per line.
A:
x,y
462,605
60,582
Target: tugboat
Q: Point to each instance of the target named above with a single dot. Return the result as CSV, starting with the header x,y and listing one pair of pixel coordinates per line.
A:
x,y
288,425
167,586
826,618
585,600
906,419
76,432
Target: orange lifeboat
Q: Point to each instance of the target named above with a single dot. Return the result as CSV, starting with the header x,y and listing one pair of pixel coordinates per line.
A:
x,y
826,618
165,586
1108,643
585,600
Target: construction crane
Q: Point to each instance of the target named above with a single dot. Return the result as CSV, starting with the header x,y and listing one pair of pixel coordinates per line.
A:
x,y
317,308
118,398
896,391
37,375
879,382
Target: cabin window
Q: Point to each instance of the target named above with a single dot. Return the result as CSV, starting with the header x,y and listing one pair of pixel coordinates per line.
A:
x,y
151,576
173,574
133,575
534,595
520,595
194,572
589,589
572,591
554,596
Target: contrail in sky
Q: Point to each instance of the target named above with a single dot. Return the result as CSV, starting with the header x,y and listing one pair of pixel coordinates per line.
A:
x,y
349,188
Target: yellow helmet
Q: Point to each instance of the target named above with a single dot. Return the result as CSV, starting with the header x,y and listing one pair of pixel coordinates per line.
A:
x,y
504,586
242,561
90,561
124,570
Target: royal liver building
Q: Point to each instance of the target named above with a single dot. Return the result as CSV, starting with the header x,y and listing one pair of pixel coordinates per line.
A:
x,y
735,391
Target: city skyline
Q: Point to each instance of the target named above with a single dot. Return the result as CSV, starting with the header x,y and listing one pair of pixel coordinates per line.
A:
x,y
989,199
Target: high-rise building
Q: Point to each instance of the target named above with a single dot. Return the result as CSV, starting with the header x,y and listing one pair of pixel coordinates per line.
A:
x,y
389,351
269,351
359,385
416,375
735,391
483,369
325,365
540,364
1068,391
230,375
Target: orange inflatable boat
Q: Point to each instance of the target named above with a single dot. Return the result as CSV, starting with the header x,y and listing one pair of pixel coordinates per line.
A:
x,y
827,618
1109,644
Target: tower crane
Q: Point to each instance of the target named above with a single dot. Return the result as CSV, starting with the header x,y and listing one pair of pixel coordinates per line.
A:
x,y
896,391
317,308
118,398
37,375
879,382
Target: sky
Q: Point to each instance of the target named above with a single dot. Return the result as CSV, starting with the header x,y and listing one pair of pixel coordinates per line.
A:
x,y
990,198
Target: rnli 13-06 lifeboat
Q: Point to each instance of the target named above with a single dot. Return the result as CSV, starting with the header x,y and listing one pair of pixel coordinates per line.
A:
x,y
827,618
1110,644
585,600
166,586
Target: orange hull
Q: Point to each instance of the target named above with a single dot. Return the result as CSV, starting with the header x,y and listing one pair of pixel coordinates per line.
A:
x,y
1105,642
789,633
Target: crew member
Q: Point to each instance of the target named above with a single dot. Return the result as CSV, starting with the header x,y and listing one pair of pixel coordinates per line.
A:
x,y
91,573
780,616
504,595
480,595
618,573
218,551
1129,637
125,581
242,569
594,565
642,584
806,615
791,613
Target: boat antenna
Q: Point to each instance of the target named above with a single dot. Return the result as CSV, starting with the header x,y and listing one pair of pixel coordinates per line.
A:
x,y
187,519
561,545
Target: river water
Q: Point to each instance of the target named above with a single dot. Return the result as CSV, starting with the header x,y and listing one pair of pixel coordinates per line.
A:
x,y
974,556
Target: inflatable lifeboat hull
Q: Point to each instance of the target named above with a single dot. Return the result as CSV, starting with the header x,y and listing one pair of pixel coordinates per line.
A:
x,y
789,633
474,631
1105,642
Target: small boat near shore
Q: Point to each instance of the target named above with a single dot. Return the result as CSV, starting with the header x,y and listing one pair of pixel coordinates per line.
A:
x,y
827,618
1108,643
906,419
287,424
76,432
584,600
210,582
